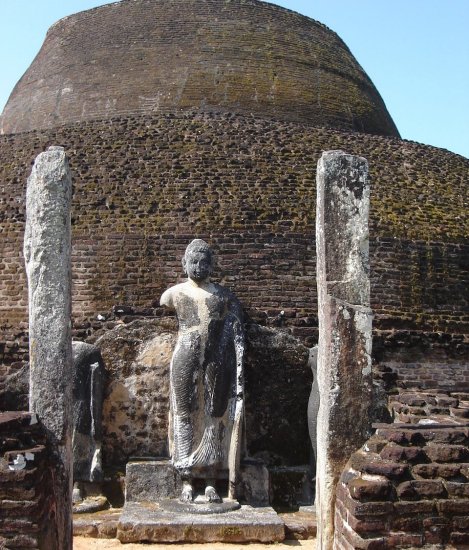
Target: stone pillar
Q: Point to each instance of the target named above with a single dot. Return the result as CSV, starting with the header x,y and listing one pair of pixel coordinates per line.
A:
x,y
47,252
344,350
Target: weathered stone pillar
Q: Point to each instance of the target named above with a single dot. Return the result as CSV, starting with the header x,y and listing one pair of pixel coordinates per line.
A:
x,y
47,252
344,354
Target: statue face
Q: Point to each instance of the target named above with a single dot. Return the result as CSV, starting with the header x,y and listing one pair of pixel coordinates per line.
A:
x,y
198,265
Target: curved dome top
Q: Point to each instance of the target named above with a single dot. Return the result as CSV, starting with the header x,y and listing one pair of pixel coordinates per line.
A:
x,y
241,56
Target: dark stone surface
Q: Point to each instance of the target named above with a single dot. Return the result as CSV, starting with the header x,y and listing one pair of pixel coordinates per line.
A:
x,y
88,388
206,373
278,383
156,480
137,356
291,487
15,395
151,481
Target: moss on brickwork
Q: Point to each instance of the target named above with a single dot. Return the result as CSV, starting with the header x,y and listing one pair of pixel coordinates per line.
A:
x,y
145,185
239,173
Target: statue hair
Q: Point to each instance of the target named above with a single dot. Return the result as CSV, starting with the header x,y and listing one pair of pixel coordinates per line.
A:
x,y
197,245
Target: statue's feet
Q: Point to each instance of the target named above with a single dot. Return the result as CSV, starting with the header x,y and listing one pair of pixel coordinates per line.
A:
x,y
211,494
187,492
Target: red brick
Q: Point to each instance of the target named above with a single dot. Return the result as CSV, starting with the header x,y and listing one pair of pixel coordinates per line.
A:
x,y
410,490
401,437
445,471
413,399
18,509
359,543
404,540
447,453
391,470
412,523
461,523
436,535
436,521
18,541
419,507
454,436
459,506
397,453
367,526
362,510
460,490
367,490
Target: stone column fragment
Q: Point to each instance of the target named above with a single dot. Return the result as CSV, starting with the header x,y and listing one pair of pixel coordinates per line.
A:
x,y
344,350
47,251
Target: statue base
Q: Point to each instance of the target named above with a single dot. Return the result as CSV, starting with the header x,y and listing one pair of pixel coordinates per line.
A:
x,y
150,522
154,513
158,480
199,507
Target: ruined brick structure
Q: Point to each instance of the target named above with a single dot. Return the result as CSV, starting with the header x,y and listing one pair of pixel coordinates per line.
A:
x,y
206,118
409,486
27,503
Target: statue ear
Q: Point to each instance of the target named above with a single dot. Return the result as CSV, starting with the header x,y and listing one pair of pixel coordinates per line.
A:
x,y
183,261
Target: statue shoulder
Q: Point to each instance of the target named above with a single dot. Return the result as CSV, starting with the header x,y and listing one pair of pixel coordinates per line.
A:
x,y
169,295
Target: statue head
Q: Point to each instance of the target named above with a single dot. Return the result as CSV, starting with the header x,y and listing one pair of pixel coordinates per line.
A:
x,y
198,260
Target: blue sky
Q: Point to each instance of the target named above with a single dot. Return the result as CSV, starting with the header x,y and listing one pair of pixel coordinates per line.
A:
x,y
415,51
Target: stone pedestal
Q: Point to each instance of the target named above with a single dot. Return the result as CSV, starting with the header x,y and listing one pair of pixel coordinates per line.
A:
x,y
155,480
153,513
148,522
344,349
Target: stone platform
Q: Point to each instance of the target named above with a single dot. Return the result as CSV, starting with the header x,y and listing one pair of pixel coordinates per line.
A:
x,y
148,522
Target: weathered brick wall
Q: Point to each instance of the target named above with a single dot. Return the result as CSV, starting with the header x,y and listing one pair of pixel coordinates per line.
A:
x,y
27,518
237,55
409,485
144,186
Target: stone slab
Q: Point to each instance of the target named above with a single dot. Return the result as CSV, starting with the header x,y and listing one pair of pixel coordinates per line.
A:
x,y
300,525
98,525
147,522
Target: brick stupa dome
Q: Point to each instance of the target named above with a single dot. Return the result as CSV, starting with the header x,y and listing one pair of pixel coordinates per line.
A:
x,y
150,56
